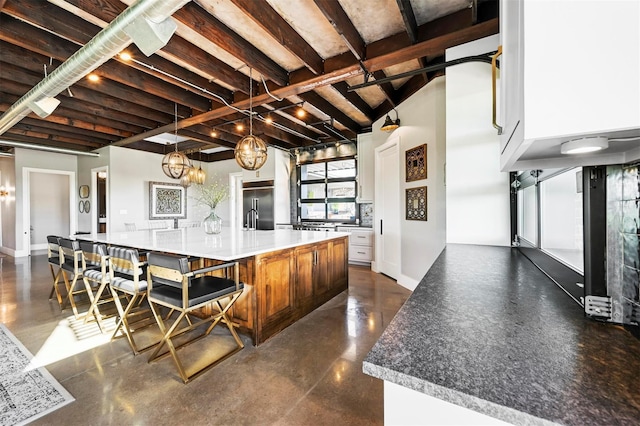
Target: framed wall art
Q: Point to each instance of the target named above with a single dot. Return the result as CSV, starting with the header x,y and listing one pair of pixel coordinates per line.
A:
x,y
167,201
416,203
416,163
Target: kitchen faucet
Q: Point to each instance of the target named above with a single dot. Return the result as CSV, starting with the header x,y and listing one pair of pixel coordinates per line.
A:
x,y
249,227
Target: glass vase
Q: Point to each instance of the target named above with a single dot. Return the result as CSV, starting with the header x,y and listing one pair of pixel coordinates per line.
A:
x,y
212,224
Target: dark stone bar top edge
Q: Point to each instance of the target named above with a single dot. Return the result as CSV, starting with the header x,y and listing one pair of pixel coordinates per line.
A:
x,y
486,330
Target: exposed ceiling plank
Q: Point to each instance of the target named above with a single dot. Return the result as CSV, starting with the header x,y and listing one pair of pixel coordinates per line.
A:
x,y
270,21
193,16
107,10
343,25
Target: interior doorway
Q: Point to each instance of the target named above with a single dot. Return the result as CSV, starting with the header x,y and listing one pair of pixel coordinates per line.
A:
x,y
49,206
387,211
100,200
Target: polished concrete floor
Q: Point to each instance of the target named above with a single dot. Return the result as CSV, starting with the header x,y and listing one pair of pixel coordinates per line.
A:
x,y
309,374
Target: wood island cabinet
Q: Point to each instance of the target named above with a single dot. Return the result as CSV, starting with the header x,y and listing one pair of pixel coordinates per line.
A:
x,y
285,285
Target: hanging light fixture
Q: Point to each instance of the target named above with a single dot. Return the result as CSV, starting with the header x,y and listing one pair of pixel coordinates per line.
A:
x,y
198,176
176,164
251,151
390,125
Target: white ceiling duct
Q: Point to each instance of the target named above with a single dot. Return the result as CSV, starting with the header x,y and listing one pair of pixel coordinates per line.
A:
x,y
154,15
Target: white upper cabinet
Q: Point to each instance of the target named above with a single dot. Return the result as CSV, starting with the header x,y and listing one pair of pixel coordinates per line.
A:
x,y
569,69
365,168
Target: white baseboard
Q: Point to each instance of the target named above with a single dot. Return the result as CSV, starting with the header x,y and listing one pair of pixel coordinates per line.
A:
x,y
42,246
14,253
407,282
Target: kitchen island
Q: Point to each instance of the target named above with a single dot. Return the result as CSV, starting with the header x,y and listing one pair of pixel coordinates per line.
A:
x,y
287,274
486,332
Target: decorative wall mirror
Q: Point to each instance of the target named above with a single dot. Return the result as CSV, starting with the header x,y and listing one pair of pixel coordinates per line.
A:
x,y
83,191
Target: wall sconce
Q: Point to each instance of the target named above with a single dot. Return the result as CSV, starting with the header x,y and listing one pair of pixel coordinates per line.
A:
x,y
390,125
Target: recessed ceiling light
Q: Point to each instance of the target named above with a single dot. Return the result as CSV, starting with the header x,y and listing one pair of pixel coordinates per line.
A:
x,y
584,145
239,127
213,134
268,120
93,77
301,113
125,56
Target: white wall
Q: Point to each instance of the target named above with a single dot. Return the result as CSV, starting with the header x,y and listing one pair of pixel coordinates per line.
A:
x,y
85,165
422,121
477,192
49,195
33,159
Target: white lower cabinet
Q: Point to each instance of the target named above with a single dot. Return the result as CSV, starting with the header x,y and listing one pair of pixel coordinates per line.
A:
x,y
360,244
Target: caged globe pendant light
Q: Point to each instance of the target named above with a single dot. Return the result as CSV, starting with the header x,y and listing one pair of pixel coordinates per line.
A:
x,y
176,164
251,151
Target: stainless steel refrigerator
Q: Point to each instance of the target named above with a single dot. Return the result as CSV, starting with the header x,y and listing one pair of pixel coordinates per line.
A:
x,y
258,200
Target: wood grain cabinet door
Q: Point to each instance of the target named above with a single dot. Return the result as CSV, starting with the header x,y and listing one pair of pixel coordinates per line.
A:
x,y
305,259
339,268
276,289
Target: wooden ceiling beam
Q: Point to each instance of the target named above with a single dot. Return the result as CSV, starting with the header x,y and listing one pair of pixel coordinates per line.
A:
x,y
409,18
328,108
387,88
16,74
274,24
19,129
78,131
10,135
47,44
33,126
339,19
383,54
198,19
87,107
108,10
33,62
173,73
355,99
434,38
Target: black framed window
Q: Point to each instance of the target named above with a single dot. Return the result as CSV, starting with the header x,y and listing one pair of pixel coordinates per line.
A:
x,y
327,191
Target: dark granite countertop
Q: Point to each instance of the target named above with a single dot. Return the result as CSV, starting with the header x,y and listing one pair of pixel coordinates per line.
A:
x,y
486,330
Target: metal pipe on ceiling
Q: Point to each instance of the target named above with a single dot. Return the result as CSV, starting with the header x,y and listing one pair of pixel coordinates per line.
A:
x,y
152,15
477,58
48,148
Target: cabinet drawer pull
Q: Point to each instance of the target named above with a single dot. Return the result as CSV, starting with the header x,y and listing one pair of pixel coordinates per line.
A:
x,y
494,67
361,252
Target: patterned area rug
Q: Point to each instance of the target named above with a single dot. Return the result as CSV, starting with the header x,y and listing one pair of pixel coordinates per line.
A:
x,y
26,393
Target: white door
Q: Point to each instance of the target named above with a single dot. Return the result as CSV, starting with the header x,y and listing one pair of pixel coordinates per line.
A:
x,y
387,209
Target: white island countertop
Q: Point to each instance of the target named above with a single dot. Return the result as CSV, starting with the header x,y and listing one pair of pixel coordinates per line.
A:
x,y
230,244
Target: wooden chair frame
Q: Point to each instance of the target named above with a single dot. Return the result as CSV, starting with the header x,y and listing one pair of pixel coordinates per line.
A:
x,y
221,304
